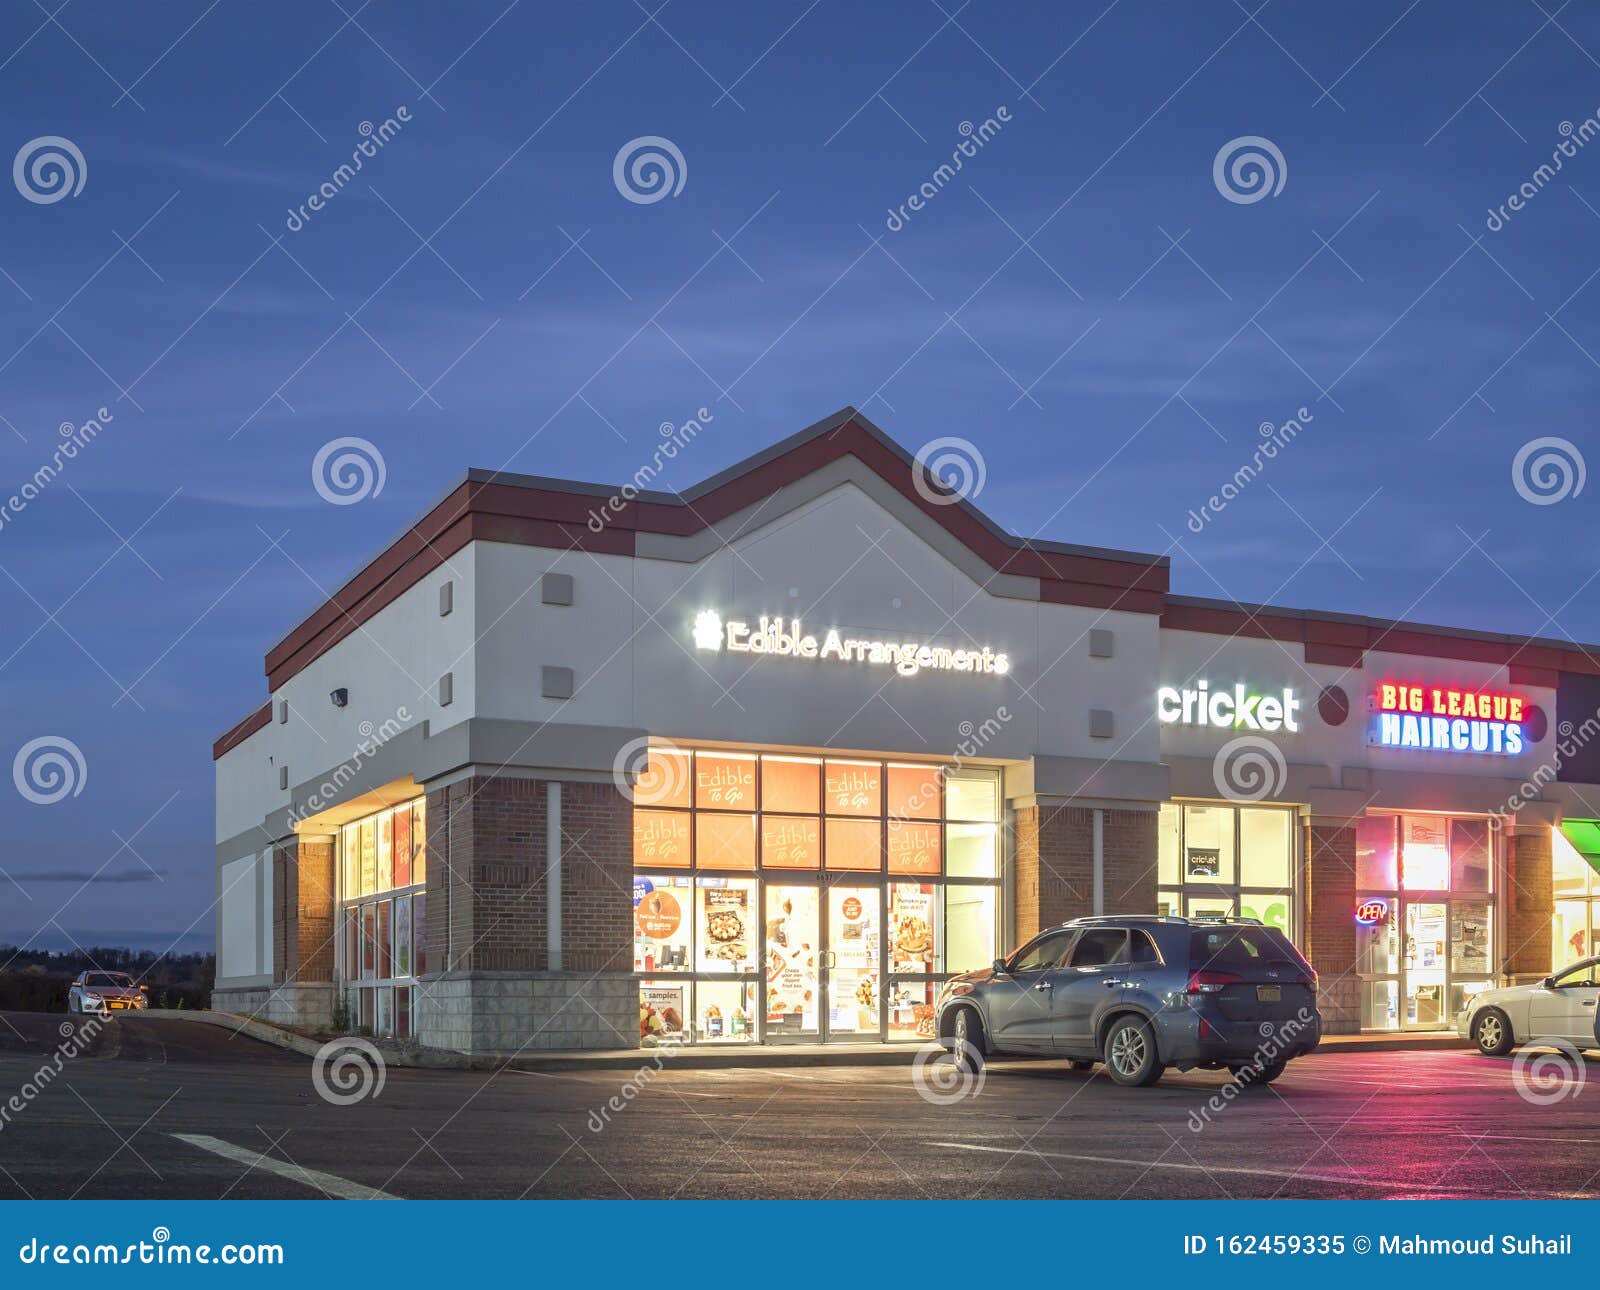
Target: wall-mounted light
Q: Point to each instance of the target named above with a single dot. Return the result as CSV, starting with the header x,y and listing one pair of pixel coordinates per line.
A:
x,y
340,697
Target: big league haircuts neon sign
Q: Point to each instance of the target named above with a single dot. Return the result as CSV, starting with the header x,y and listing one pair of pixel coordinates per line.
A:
x,y
1437,719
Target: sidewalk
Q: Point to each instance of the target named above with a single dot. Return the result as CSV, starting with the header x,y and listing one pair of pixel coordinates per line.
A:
x,y
771,1057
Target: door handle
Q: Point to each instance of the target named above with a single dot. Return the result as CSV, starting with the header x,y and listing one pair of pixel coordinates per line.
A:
x,y
1112,982
1045,985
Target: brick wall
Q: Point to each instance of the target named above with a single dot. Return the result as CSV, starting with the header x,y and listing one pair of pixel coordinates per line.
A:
x,y
1128,842
1330,923
488,891
1528,902
302,910
596,879
1053,864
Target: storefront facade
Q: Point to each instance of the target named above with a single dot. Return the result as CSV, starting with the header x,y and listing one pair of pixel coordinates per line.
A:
x,y
569,766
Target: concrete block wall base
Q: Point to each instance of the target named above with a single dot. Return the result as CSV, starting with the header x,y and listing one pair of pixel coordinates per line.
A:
x,y
481,1013
308,1006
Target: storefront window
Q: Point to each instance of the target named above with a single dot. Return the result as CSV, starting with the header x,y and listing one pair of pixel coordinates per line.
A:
x,y
866,883
1208,833
1575,851
382,932
1425,917
1219,860
972,850
661,924
1425,855
725,923
1377,859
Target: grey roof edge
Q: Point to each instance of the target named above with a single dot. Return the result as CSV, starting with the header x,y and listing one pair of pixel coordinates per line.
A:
x,y
1377,624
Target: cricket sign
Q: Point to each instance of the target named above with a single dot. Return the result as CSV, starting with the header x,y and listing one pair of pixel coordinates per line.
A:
x,y
1238,707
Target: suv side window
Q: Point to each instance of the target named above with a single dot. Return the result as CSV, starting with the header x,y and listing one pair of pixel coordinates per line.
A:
x,y
1043,954
1100,948
1143,948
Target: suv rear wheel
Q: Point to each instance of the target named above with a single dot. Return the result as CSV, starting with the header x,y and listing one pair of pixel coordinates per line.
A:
x,y
1131,1052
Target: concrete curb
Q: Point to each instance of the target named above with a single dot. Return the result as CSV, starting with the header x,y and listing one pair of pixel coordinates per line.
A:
x,y
777,1057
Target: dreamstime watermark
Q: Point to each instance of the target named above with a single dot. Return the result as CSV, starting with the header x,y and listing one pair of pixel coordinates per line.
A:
x,y
373,139
1274,439
948,470
973,140
1275,1041
348,1070
1570,740
650,773
665,1048
1548,470
1248,168
1572,139
74,439
674,439
371,739
1543,1077
49,168
974,738
649,168
160,1250
49,769
943,1078
348,470
75,1039
1249,769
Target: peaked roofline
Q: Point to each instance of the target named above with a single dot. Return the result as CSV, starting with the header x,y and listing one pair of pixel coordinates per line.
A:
x,y
560,514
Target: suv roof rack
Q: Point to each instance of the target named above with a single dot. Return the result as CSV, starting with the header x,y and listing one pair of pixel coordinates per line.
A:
x,y
1097,919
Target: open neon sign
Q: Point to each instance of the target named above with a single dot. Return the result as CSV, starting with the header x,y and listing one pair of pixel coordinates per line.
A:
x,y
1448,720
1372,913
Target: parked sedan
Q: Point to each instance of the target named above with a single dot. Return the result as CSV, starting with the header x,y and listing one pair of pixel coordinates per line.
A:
x,y
1562,1006
103,993
1141,993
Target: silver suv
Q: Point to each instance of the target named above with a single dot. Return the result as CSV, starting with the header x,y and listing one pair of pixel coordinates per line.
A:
x,y
1141,993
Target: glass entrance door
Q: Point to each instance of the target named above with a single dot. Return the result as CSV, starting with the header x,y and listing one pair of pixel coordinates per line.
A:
x,y
793,963
1427,932
824,963
854,964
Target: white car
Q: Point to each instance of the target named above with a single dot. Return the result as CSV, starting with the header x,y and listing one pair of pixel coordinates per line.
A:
x,y
103,993
1562,1006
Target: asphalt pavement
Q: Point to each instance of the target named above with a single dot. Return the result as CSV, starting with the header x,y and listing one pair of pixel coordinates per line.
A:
x,y
156,1108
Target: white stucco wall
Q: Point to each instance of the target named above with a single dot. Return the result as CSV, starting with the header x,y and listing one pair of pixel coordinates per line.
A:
x,y
840,561
391,666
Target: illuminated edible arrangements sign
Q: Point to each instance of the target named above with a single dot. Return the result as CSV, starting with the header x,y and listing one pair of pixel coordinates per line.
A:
x,y
788,639
1445,720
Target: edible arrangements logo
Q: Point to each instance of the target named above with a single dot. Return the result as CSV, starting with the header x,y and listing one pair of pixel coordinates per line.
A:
x,y
778,638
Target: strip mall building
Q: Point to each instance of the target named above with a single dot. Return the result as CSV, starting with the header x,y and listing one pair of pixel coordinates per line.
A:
x,y
572,766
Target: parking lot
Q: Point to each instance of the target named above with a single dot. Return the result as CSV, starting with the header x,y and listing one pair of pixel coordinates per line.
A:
x,y
160,1108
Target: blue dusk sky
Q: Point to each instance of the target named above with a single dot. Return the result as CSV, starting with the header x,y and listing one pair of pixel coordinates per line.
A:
x,y
1106,314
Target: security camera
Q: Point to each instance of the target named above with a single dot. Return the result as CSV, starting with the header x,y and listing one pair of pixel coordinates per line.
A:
x,y
340,697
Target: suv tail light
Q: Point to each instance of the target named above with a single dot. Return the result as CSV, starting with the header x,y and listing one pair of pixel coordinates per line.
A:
x,y
1211,982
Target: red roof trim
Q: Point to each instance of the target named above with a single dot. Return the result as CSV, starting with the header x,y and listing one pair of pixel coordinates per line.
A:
x,y
1342,643
262,716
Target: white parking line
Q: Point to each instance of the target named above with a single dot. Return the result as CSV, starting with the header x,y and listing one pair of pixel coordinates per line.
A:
x,y
342,1188
1339,1180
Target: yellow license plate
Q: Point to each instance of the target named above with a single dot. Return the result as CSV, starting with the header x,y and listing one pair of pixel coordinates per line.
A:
x,y
1269,993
